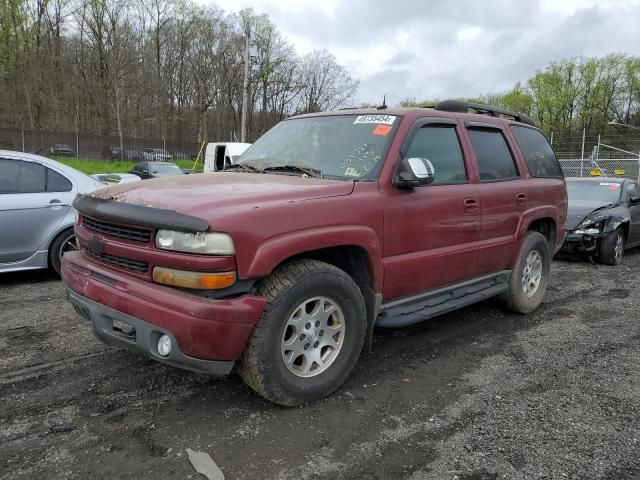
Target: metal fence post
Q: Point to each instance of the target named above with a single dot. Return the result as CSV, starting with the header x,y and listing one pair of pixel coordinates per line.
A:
x,y
582,155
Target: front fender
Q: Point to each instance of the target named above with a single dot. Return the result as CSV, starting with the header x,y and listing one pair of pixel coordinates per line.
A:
x,y
614,222
278,249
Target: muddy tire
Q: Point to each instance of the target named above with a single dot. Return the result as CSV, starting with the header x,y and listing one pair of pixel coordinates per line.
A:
x,y
611,249
309,336
64,242
530,275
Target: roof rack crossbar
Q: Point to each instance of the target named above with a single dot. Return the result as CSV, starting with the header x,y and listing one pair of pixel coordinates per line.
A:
x,y
466,107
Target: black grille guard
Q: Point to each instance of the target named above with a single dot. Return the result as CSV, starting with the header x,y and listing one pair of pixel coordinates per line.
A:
x,y
130,214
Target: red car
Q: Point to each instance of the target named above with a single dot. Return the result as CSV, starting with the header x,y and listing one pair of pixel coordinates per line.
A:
x,y
329,225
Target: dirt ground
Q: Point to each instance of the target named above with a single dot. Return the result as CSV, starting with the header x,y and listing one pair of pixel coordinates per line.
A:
x,y
477,394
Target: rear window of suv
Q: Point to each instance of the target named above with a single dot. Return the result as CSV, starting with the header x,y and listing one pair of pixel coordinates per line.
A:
x,y
495,162
538,154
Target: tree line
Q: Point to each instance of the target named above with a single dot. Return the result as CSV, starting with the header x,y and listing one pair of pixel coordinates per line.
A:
x,y
154,68
574,94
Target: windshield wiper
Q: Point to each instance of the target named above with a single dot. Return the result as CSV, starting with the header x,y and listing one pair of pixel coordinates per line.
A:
x,y
311,172
245,167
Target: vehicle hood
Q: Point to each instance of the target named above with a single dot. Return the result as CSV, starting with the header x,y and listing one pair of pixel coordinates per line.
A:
x,y
579,210
203,194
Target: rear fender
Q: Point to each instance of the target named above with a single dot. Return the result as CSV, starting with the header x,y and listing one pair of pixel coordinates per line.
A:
x,y
531,216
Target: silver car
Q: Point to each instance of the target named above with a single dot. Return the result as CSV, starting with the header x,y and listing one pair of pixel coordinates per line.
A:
x,y
36,215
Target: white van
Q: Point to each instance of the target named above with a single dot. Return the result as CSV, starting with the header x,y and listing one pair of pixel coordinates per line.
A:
x,y
218,156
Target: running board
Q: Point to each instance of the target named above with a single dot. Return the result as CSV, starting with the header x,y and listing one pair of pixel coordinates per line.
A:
x,y
410,310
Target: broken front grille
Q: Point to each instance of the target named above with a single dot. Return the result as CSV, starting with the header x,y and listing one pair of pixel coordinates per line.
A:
x,y
121,262
129,233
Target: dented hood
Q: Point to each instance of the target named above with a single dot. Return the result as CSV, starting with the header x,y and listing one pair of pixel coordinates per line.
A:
x,y
201,194
580,209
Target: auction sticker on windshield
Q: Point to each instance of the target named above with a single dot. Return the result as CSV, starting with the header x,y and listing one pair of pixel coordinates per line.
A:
x,y
379,119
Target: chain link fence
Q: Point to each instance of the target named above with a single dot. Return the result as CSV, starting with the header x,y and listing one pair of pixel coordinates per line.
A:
x,y
615,152
90,146
620,167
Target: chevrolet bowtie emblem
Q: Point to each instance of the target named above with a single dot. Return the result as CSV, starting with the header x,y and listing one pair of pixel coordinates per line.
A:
x,y
95,245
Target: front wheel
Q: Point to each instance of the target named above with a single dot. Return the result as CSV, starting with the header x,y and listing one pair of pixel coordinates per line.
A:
x,y
530,275
65,242
611,249
310,335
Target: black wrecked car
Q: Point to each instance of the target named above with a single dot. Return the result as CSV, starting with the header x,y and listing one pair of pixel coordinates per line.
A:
x,y
603,218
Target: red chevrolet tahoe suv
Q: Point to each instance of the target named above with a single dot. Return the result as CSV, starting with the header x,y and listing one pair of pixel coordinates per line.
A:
x,y
329,225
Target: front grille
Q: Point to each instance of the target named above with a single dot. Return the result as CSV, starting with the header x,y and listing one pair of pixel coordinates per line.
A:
x,y
135,265
130,233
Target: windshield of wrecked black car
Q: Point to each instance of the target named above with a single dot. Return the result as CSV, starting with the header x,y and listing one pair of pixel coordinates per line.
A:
x,y
343,146
606,192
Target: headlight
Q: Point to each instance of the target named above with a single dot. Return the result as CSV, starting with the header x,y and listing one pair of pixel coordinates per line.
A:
x,y
590,226
200,242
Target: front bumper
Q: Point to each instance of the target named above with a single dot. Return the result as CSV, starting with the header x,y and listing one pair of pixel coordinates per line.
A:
x,y
140,336
582,244
203,329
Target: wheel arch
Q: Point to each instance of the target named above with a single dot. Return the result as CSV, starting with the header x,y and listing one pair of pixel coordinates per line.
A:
x,y
61,232
328,245
360,259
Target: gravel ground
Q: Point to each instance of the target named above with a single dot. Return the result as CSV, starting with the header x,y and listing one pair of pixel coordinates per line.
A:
x,y
477,394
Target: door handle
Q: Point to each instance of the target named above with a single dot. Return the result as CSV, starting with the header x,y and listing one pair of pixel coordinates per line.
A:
x,y
471,205
57,203
521,199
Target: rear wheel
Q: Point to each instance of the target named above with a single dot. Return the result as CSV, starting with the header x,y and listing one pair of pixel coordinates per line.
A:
x,y
530,275
611,249
65,242
310,335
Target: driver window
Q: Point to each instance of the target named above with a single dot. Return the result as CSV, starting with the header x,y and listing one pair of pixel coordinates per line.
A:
x,y
632,191
440,145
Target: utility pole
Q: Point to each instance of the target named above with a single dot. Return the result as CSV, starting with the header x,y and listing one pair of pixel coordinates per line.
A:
x,y
245,87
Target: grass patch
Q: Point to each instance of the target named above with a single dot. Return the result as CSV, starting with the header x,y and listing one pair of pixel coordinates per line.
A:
x,y
91,166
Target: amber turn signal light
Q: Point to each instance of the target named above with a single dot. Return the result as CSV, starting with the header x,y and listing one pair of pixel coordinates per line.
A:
x,y
195,280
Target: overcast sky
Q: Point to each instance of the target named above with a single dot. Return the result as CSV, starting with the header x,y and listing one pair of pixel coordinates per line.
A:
x,y
438,49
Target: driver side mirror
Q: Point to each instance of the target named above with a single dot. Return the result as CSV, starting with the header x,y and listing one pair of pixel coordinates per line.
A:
x,y
414,172
634,201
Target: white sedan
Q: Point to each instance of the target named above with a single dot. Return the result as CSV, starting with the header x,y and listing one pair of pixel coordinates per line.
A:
x,y
36,212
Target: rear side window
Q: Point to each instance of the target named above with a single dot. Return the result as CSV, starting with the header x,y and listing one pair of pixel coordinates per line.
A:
x,y
56,182
495,161
21,177
540,158
441,147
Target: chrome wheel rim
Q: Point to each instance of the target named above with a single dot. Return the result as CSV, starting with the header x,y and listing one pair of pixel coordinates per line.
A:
x,y
69,245
313,337
532,273
619,248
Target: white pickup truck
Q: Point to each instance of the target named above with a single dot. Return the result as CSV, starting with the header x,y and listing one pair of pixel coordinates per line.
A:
x,y
219,156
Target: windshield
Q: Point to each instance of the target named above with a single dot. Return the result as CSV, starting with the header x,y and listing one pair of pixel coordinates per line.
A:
x,y
344,147
166,170
605,192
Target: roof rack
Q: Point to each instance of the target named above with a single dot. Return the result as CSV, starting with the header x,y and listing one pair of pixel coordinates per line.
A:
x,y
466,107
